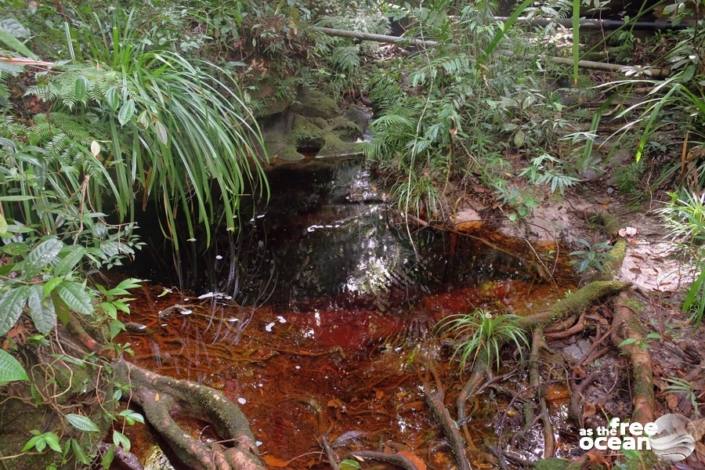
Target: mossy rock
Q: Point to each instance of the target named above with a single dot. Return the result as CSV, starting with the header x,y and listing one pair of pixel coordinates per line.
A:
x,y
313,103
345,128
334,146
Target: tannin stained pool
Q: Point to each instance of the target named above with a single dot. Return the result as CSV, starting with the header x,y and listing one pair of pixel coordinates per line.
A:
x,y
318,321
353,375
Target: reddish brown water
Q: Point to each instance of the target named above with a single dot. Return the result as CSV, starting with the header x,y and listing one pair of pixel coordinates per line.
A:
x,y
350,374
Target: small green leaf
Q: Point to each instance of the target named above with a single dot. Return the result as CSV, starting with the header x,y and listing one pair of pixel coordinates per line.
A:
x,y
627,342
121,440
162,134
132,417
107,459
45,253
349,464
3,226
113,98
79,453
50,285
82,423
53,441
81,88
41,310
76,297
126,112
10,369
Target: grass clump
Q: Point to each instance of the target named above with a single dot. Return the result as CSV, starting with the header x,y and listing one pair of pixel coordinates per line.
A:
x,y
480,335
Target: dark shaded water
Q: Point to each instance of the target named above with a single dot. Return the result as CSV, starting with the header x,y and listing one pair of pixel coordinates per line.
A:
x,y
328,236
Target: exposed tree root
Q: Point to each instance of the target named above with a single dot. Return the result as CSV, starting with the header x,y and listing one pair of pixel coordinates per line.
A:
x,y
538,342
576,398
393,459
568,332
451,431
573,303
161,397
471,387
626,326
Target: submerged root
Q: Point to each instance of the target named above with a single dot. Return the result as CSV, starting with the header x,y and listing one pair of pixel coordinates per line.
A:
x,y
397,460
161,397
451,431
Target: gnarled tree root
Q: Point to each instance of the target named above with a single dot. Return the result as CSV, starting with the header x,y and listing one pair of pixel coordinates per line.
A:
x,y
626,326
161,397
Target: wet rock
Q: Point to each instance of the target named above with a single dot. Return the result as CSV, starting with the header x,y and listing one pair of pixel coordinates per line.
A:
x,y
577,351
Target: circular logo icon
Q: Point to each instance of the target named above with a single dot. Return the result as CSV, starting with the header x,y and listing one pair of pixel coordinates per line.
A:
x,y
672,442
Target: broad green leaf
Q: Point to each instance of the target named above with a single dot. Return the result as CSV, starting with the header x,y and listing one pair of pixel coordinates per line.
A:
x,y
3,225
11,304
41,310
82,423
126,112
15,44
76,297
68,262
44,253
10,369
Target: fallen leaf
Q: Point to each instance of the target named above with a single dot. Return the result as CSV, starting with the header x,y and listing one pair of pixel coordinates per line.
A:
x,y
275,462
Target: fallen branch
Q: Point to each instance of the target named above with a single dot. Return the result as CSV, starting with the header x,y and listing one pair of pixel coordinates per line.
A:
x,y
161,397
591,23
627,328
655,72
